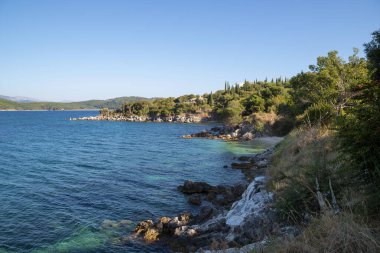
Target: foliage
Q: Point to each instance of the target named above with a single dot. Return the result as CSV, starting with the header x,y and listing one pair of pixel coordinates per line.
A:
x,y
231,114
328,88
359,131
229,105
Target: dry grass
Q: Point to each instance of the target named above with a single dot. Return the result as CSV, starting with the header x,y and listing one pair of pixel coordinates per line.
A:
x,y
305,155
332,234
301,150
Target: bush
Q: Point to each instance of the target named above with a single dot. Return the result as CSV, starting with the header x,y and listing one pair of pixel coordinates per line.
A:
x,y
317,114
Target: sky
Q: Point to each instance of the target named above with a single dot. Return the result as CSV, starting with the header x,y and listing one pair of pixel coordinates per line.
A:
x,y
90,49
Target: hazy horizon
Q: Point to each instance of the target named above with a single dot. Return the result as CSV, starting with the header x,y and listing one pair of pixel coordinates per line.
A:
x,y
82,50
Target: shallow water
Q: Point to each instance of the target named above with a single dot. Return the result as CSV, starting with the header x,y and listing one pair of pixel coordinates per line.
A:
x,y
60,179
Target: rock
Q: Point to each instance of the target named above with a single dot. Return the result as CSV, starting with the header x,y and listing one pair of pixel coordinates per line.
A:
x,y
247,136
225,166
151,235
185,217
165,220
205,212
223,195
242,165
143,226
216,129
204,134
262,163
244,158
190,187
191,232
235,215
195,199
191,118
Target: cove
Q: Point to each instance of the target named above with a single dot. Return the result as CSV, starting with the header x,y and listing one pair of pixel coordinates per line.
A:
x,y
60,179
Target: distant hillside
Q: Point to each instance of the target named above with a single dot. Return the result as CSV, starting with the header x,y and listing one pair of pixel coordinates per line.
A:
x,y
114,103
20,99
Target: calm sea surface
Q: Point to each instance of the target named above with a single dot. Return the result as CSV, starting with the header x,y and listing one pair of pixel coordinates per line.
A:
x,y
60,179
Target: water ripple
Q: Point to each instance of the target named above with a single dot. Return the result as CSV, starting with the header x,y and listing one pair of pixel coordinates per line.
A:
x,y
60,179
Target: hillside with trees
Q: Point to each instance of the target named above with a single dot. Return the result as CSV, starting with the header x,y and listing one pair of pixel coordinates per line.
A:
x,y
114,103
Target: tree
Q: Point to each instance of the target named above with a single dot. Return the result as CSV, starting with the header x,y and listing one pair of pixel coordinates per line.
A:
x,y
359,130
232,114
210,100
237,88
329,87
254,103
372,49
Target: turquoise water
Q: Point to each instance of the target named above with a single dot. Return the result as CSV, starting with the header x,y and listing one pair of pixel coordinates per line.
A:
x,y
60,179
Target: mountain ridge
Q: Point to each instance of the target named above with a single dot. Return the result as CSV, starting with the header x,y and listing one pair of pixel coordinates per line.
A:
x,y
113,103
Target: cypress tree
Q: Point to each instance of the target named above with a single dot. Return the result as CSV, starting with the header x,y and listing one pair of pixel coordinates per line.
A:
x,y
210,99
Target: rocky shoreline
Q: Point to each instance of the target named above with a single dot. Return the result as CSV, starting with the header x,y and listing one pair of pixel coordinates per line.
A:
x,y
136,118
231,218
241,132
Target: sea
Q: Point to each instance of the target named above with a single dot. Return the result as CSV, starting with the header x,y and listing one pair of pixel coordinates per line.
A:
x,y
66,185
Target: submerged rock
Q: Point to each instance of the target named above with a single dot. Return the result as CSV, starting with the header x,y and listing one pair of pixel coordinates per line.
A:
x,y
242,165
195,199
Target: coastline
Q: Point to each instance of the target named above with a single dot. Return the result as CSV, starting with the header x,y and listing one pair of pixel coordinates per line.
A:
x,y
15,110
236,218
192,118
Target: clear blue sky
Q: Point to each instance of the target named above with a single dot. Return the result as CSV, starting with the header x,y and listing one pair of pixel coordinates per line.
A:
x,y
84,49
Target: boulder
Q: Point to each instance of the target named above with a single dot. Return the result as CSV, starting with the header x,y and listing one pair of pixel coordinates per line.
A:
x,y
262,163
151,235
143,226
205,212
248,136
190,187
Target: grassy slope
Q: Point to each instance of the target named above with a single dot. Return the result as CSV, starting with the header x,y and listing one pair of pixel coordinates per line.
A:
x,y
304,155
90,104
